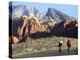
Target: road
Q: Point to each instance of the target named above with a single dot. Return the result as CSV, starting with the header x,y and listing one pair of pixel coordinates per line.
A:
x,y
46,53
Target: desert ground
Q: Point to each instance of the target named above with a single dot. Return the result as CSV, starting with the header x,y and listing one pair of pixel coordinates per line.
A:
x,y
44,47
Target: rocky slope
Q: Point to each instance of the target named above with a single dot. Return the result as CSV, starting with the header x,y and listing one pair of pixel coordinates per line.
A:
x,y
66,28
53,23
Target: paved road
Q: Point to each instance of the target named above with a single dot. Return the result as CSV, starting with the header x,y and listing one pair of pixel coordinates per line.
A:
x,y
47,53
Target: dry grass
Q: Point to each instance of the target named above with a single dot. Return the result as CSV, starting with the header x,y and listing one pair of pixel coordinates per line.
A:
x,y
42,44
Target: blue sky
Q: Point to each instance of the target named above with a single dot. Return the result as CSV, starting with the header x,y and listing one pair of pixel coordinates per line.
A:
x,y
71,10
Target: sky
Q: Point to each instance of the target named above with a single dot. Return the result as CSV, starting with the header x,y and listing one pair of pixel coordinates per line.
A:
x,y
71,10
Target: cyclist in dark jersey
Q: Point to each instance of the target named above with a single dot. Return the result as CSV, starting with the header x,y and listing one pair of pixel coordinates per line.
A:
x,y
60,45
